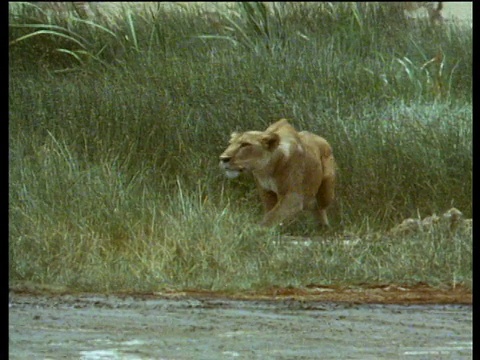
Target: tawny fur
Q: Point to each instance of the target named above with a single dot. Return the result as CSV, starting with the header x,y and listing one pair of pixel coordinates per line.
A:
x,y
293,170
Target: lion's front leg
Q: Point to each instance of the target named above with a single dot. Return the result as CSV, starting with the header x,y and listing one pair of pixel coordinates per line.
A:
x,y
269,199
286,207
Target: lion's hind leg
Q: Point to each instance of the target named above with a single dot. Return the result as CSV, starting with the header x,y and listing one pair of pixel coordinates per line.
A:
x,y
325,196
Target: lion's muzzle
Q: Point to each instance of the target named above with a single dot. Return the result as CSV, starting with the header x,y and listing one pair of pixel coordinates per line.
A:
x,y
230,172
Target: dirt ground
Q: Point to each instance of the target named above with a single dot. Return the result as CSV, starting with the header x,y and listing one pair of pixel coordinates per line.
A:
x,y
386,322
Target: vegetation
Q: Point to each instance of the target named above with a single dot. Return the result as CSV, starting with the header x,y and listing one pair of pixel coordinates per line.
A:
x,y
117,122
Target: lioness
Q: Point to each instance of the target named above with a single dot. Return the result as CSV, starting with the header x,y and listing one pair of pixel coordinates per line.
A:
x,y
293,170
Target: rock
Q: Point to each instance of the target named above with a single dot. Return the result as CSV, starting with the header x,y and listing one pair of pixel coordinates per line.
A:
x,y
451,220
408,226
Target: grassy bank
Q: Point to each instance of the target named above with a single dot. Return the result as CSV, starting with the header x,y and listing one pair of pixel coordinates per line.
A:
x,y
116,127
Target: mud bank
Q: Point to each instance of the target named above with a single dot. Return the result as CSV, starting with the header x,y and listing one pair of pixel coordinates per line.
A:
x,y
155,327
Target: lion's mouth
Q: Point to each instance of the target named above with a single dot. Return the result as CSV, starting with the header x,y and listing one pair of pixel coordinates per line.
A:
x,y
232,174
231,170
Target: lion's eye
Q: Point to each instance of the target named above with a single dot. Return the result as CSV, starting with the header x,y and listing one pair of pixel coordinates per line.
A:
x,y
243,144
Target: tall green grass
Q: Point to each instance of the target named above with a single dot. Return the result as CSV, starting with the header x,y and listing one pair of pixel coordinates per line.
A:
x,y
116,127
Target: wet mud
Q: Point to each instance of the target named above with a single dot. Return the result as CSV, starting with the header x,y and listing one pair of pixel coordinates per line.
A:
x,y
287,325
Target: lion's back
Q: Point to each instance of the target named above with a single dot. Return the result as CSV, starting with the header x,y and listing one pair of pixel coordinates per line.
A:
x,y
317,144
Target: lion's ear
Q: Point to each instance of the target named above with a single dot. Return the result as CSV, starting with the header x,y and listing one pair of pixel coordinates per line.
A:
x,y
233,135
270,140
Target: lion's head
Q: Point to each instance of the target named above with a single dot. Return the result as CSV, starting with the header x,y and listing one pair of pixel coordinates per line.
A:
x,y
248,151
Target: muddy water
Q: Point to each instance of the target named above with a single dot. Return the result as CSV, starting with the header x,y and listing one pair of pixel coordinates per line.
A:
x,y
110,327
